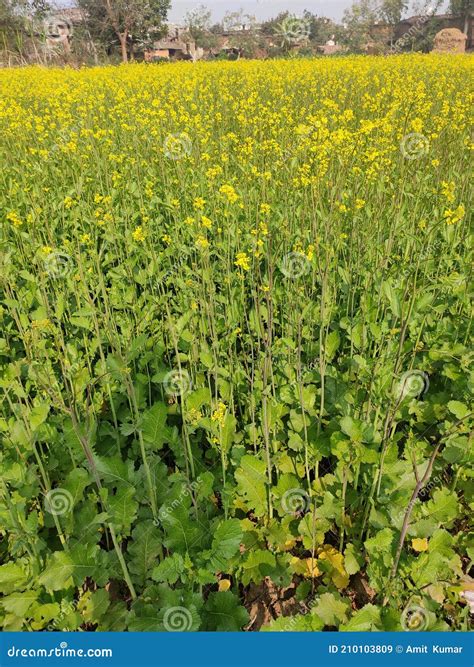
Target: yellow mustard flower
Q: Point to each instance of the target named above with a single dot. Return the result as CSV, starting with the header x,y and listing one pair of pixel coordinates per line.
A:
x,y
138,234
242,261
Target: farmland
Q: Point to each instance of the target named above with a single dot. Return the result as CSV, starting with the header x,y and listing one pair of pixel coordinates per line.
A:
x,y
236,362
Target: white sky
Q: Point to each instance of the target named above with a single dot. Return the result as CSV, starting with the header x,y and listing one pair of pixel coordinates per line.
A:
x,y
262,9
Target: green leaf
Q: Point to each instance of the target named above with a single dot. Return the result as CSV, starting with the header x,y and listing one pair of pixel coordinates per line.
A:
x,y
392,297
93,605
364,620
76,481
115,619
122,509
251,483
223,612
443,507
182,533
228,432
12,577
253,564
19,603
63,569
144,548
352,560
58,572
298,623
332,343
331,609
169,570
459,410
38,415
153,426
225,543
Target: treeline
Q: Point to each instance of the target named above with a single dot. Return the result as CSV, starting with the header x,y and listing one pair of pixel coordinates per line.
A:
x,y
95,31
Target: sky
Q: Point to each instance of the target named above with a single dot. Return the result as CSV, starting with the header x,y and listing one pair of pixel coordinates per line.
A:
x,y
262,9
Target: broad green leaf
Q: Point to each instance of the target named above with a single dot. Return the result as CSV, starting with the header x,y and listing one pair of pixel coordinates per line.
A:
x,y
331,609
38,415
225,543
460,410
93,605
224,613
169,570
19,603
76,481
366,619
332,343
153,426
143,550
255,560
251,483
122,509
12,577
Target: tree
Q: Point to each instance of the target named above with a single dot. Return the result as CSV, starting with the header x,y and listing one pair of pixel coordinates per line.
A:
x,y
462,8
198,25
358,22
363,18
238,21
130,21
320,28
21,21
391,11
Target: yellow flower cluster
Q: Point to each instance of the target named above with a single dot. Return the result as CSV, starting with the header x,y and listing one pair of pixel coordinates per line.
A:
x,y
219,414
452,217
242,261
